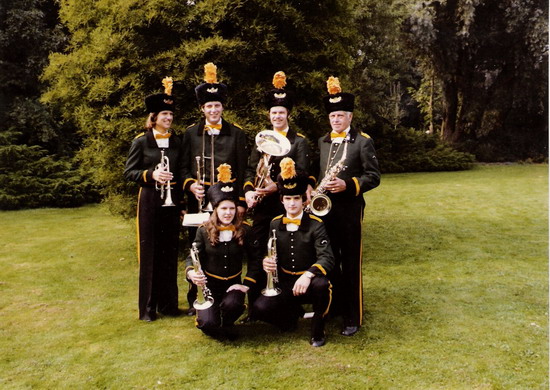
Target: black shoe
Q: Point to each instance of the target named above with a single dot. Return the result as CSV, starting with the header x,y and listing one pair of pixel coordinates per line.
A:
x,y
148,317
349,330
317,343
191,312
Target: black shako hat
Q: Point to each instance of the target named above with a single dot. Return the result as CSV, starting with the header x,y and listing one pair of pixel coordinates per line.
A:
x,y
278,96
224,189
289,182
211,90
337,100
161,101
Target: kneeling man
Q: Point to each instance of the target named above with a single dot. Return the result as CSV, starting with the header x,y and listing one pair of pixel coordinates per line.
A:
x,y
303,258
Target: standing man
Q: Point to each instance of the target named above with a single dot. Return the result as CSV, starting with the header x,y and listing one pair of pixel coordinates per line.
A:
x,y
214,141
303,259
264,201
346,191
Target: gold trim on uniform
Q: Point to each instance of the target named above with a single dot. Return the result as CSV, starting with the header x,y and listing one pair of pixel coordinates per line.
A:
x,y
364,135
144,174
222,277
320,267
292,272
357,187
247,278
315,218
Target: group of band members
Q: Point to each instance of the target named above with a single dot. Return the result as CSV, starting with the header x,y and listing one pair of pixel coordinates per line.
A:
x,y
318,259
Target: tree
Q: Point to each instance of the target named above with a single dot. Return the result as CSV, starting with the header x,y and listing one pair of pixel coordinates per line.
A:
x,y
36,167
490,57
120,50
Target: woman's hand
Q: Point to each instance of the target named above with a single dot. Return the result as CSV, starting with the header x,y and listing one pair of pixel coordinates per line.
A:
x,y
162,176
239,287
197,278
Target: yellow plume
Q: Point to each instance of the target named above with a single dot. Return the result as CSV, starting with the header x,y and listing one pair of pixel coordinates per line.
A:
x,y
279,80
224,173
210,73
333,85
288,171
167,82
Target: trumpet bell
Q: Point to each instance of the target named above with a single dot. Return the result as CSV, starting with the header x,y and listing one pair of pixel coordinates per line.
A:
x,y
271,292
320,205
208,302
272,143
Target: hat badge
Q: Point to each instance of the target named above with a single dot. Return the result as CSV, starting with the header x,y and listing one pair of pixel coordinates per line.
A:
x,y
226,189
290,186
168,101
280,95
335,99
212,90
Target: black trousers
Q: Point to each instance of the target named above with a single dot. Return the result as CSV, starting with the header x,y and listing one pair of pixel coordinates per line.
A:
x,y
284,310
158,235
343,224
218,320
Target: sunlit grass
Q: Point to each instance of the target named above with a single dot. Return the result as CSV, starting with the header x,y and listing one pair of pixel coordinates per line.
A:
x,y
456,297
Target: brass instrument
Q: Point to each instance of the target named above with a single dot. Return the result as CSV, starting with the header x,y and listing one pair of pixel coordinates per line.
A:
x,y
321,204
269,143
164,165
197,219
204,295
272,277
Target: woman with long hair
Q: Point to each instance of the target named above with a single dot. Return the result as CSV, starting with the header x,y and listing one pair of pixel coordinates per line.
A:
x,y
221,245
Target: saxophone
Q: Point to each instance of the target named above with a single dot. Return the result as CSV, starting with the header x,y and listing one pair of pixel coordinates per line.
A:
x,y
204,295
321,204
270,290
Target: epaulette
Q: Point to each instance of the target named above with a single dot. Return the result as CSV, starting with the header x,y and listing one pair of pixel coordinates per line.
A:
x,y
300,135
188,127
315,218
365,135
278,217
246,223
237,126
139,135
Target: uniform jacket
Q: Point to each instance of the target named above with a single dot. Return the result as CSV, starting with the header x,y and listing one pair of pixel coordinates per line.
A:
x,y
307,249
362,173
144,156
229,147
299,152
224,261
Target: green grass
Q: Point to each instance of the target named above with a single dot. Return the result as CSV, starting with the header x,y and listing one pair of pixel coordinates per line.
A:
x,y
456,297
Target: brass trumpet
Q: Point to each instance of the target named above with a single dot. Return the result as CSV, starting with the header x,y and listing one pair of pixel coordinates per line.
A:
x,y
272,277
204,295
164,165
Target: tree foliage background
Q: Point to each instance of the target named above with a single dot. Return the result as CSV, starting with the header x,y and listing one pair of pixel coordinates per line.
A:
x,y
433,79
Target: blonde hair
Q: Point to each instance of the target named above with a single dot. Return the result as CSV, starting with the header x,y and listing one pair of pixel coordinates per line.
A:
x,y
151,121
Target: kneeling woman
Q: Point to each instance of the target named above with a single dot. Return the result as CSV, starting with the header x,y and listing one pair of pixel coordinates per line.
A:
x,y
221,243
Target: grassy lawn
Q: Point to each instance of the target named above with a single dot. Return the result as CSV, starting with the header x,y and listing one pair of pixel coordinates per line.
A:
x,y
456,297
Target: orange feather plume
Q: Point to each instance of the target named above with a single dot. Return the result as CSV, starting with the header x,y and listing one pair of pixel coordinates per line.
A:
x,y
168,83
279,80
333,85
288,170
210,75
224,173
